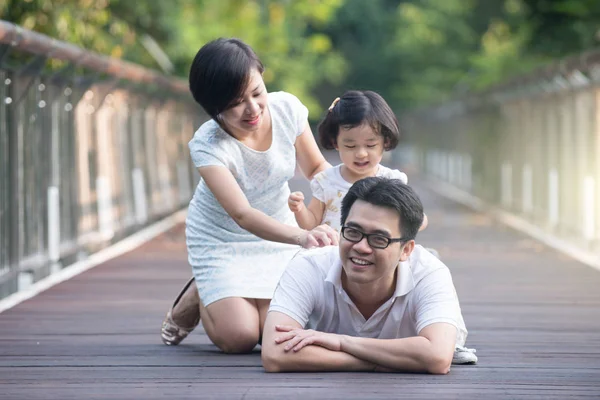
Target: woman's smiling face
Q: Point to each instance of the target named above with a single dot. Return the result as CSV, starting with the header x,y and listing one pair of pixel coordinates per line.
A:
x,y
249,112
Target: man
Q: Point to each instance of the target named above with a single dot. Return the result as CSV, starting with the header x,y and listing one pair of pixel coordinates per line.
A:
x,y
376,303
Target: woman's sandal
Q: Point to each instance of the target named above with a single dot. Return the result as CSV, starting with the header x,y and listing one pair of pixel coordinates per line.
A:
x,y
171,333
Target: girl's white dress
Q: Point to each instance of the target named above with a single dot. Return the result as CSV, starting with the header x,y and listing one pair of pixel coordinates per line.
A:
x,y
329,187
226,260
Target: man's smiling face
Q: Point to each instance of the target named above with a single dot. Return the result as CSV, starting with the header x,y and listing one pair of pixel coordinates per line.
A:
x,y
364,264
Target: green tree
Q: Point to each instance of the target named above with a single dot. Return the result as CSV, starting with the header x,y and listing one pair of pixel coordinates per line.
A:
x,y
107,27
413,52
560,27
284,33
297,58
433,41
361,31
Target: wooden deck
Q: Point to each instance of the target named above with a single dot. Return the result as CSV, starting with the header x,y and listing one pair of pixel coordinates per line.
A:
x,y
533,315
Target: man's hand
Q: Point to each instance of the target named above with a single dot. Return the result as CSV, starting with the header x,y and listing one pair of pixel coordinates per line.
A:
x,y
296,202
278,332
295,339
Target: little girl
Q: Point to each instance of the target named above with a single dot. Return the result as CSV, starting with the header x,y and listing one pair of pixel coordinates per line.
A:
x,y
360,126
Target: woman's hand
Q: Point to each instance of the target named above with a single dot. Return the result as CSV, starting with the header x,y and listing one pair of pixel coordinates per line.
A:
x,y
321,236
296,202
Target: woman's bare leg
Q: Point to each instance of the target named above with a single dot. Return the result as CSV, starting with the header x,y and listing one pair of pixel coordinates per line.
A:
x,y
234,324
263,308
183,317
186,312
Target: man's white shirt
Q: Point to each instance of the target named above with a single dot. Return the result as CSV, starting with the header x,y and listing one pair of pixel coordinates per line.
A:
x,y
310,291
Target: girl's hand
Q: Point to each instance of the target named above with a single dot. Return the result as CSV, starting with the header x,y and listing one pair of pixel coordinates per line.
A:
x,y
296,202
321,236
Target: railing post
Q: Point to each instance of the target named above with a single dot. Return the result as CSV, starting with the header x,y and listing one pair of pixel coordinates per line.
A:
x,y
62,162
12,197
54,228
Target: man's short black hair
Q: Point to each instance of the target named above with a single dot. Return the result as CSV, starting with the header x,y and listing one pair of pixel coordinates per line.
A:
x,y
391,193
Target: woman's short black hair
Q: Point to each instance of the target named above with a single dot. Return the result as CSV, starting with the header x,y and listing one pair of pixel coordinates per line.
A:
x,y
220,73
357,107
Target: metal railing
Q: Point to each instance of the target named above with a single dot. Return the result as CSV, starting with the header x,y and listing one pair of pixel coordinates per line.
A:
x,y
530,147
91,150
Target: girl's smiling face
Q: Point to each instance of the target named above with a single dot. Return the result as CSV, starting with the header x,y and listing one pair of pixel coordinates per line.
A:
x,y
361,149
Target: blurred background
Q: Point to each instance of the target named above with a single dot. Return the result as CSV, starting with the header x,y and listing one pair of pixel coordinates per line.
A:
x,y
413,52
498,102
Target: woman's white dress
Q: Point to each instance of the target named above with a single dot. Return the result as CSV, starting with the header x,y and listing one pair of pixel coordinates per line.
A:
x,y
226,260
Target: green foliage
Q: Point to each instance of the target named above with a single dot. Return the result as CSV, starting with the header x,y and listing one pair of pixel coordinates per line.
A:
x,y
296,57
426,51
107,27
411,51
433,39
361,31
560,27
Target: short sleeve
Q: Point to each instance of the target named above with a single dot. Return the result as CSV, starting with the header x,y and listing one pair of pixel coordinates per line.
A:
x,y
400,175
205,147
317,187
294,111
436,300
296,294
397,174
301,114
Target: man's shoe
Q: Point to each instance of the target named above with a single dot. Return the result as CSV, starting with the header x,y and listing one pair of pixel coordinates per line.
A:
x,y
171,333
463,355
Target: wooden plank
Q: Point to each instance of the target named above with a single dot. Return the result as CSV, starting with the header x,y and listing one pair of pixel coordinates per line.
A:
x,y
533,316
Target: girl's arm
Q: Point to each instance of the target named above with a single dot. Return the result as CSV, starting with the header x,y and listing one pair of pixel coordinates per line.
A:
x,y
306,217
228,193
424,223
309,157
397,174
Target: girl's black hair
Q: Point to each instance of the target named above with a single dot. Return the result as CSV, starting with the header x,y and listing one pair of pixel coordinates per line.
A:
x,y
357,107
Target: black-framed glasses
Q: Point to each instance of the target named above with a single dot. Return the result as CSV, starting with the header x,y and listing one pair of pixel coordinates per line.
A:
x,y
375,240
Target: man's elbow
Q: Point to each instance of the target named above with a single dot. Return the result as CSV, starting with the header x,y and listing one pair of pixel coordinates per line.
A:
x,y
439,365
270,360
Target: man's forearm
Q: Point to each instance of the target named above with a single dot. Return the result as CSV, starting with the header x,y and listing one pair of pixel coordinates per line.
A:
x,y
312,358
414,354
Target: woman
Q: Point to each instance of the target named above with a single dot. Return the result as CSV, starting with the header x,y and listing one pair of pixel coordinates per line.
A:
x,y
240,233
